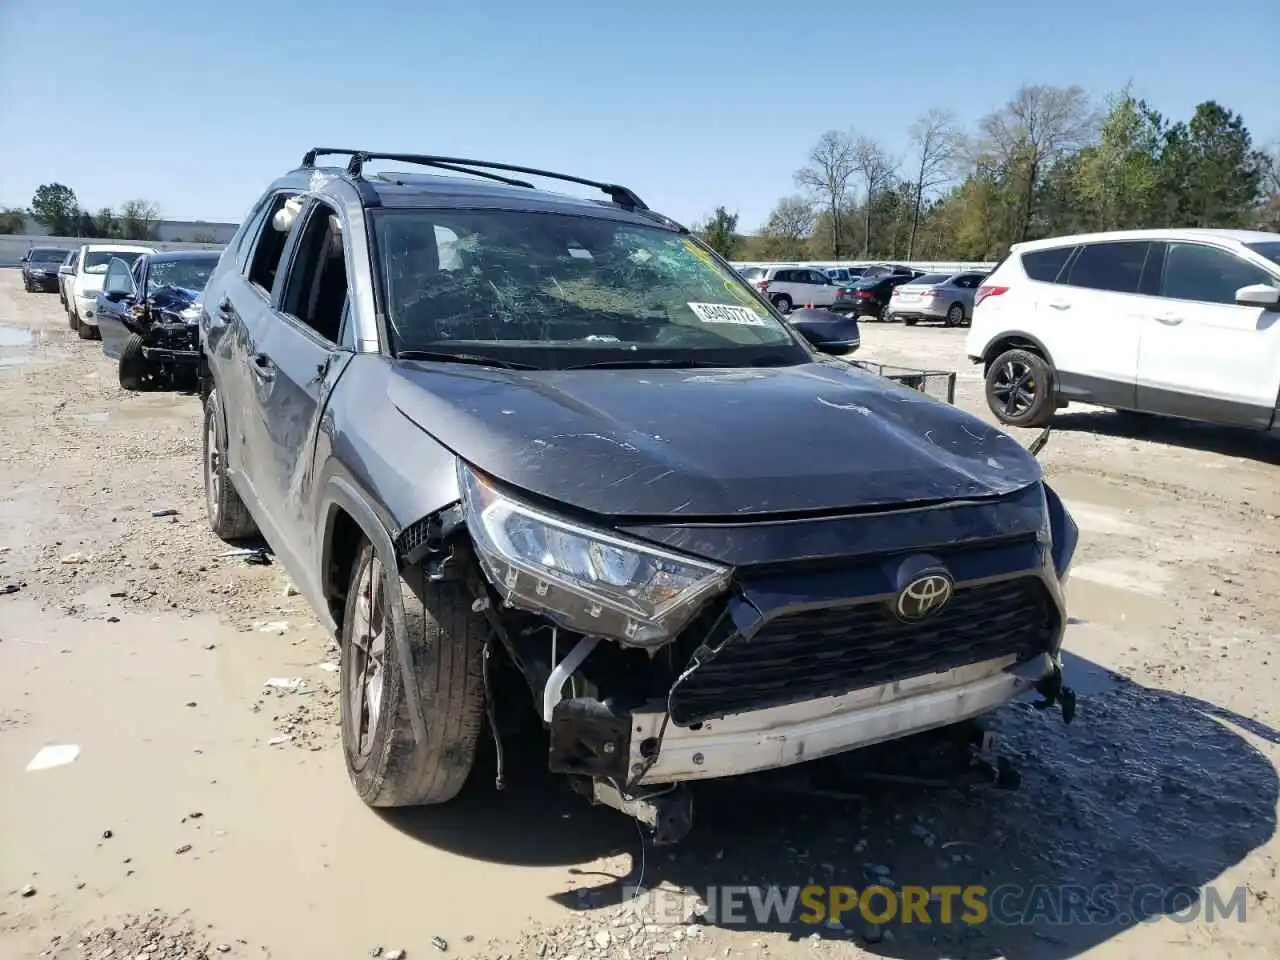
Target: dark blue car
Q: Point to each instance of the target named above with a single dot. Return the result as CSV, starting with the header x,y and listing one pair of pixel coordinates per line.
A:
x,y
149,314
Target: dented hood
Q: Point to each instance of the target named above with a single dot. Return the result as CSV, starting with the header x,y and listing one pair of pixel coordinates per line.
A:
x,y
710,443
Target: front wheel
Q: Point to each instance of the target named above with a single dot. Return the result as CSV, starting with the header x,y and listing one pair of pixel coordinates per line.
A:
x,y
387,764
229,518
85,330
136,371
1020,389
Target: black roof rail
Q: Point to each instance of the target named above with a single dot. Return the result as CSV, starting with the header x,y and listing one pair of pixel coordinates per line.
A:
x,y
619,194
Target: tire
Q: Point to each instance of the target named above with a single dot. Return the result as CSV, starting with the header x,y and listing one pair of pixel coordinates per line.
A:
x,y
1021,389
783,303
136,372
229,518
387,766
909,323
86,331
26,285
73,318
955,315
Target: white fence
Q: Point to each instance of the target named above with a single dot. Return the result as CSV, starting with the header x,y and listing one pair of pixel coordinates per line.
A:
x,y
928,266
12,248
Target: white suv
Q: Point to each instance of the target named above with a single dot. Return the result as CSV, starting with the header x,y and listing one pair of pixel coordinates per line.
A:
x,y
790,287
1182,323
83,285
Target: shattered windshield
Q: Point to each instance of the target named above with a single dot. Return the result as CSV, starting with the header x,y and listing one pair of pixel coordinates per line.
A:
x,y
502,280
189,273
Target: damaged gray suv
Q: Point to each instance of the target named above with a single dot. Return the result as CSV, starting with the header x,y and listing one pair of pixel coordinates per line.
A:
x,y
549,461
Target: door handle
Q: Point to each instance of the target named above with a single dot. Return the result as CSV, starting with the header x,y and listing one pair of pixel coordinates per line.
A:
x,y
1060,304
264,367
1169,319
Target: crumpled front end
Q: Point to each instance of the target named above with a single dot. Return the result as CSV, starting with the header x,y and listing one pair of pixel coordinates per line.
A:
x,y
663,654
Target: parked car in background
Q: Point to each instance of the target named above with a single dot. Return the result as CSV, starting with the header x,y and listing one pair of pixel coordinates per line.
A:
x,y
148,317
83,285
1178,322
845,275
574,475
875,271
65,273
790,287
40,268
826,330
869,297
935,296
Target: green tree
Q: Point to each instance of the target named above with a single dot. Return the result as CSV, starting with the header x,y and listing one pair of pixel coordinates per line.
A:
x,y
1210,168
105,224
720,232
55,208
12,220
1119,179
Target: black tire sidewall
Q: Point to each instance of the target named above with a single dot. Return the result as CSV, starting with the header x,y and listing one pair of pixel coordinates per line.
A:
x,y
1045,402
134,367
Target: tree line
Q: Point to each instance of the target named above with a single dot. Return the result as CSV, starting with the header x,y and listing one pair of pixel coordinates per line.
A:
x,y
54,206
1048,162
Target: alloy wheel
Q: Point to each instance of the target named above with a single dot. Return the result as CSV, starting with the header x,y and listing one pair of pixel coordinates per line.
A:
x,y
365,660
1014,387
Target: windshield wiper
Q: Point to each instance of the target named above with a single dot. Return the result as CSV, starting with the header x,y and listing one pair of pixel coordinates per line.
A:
x,y
473,358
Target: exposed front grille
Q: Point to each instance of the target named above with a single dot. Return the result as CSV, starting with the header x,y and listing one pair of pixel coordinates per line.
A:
x,y
837,650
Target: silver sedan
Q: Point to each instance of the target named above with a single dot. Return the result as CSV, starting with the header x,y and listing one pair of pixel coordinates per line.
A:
x,y
947,297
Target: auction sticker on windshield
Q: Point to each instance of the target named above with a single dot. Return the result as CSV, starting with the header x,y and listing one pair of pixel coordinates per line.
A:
x,y
727,313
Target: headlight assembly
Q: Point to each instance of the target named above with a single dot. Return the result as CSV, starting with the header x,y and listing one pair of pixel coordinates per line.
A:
x,y
590,581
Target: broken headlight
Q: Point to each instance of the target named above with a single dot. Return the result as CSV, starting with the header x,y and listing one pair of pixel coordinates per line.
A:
x,y
590,581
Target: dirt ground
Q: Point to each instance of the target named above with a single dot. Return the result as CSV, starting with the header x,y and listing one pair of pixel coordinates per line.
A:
x,y
205,809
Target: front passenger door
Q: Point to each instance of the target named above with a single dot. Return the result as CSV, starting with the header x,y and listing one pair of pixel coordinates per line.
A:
x,y
1203,355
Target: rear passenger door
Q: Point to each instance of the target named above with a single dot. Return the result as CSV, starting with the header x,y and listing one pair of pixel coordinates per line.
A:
x,y
238,312
1203,355
1094,316
304,348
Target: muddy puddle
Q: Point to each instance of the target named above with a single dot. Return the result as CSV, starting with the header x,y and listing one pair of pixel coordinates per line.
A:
x,y
169,789
17,346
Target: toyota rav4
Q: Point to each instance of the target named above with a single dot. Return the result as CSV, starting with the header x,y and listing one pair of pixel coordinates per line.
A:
x,y
545,457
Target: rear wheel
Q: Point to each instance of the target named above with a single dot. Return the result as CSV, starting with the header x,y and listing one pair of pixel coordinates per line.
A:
x,y
386,763
783,303
1020,389
955,315
136,371
229,518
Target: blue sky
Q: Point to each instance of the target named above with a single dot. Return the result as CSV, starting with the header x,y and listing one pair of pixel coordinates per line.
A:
x,y
197,106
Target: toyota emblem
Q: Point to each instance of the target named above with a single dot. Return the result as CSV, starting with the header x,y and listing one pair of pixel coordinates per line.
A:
x,y
923,597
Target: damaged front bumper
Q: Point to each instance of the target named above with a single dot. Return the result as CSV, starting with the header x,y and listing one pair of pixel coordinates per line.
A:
x,y
782,736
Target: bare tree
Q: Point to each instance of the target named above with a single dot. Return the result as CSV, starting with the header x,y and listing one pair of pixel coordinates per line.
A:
x,y
831,166
789,225
1034,129
139,220
935,138
876,168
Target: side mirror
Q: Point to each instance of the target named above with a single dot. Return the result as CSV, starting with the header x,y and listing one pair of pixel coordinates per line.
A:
x,y
1259,295
66,270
